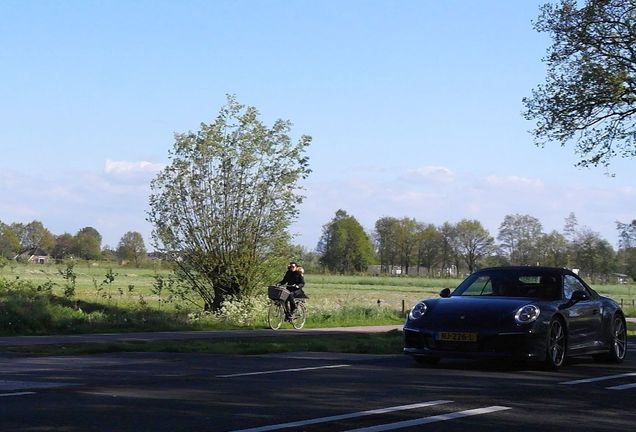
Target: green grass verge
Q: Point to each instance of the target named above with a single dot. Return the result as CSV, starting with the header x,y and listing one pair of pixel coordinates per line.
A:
x,y
372,343
32,301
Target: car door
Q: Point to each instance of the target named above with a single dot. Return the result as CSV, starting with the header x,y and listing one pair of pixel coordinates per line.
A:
x,y
584,316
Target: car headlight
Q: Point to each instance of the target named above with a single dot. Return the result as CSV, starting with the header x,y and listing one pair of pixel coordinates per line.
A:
x,y
527,314
418,311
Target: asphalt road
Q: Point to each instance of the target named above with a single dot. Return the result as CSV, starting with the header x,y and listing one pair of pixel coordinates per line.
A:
x,y
309,392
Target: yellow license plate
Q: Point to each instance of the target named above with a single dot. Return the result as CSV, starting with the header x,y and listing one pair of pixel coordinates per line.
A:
x,y
457,336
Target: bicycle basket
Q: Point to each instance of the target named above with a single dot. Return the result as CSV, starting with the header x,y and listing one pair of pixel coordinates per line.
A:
x,y
276,292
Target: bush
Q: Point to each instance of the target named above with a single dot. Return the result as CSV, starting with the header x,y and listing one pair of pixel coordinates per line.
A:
x,y
243,311
25,308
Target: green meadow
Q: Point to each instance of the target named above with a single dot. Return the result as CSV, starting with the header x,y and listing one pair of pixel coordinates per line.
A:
x,y
108,297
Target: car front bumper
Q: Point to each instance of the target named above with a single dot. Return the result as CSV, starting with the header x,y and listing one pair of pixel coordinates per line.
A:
x,y
529,344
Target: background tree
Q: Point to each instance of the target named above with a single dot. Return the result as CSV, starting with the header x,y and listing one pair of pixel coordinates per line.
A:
x,y
406,239
570,227
553,249
385,242
222,207
309,260
518,237
429,247
449,254
88,243
594,256
64,246
589,96
344,246
626,234
132,248
109,254
627,248
34,235
9,242
473,242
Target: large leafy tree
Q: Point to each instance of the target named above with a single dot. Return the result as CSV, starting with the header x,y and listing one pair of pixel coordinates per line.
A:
x,y
589,97
132,248
222,207
344,246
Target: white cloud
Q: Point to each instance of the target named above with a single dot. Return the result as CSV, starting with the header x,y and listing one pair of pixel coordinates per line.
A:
x,y
127,171
431,173
514,182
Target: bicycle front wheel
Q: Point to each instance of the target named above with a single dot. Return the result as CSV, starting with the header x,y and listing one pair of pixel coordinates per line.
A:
x,y
275,315
300,315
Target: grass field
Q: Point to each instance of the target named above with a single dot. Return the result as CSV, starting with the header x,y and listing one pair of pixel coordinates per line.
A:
x,y
115,298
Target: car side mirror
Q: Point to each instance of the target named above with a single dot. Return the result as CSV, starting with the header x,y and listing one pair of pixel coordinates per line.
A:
x,y
446,292
578,296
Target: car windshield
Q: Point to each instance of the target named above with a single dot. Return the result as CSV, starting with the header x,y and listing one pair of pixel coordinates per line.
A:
x,y
545,286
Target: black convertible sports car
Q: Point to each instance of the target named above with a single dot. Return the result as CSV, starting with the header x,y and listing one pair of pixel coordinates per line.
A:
x,y
534,313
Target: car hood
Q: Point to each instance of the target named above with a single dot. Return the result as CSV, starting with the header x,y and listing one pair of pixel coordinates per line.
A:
x,y
472,312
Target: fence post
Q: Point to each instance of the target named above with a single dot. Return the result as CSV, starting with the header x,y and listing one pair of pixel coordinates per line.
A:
x,y
403,309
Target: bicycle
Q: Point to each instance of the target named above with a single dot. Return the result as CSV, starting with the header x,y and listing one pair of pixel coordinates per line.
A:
x,y
276,312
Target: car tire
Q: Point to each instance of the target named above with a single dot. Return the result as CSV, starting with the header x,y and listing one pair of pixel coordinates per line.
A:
x,y
556,348
617,342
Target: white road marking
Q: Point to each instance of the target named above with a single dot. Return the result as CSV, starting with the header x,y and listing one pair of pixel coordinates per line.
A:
x,y
282,371
344,416
16,394
622,387
432,419
603,378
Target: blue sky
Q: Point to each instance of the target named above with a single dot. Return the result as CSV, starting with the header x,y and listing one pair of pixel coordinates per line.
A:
x,y
414,108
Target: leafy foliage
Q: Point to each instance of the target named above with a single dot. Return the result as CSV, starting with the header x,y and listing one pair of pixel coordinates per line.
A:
x,y
472,242
344,246
88,243
590,91
222,207
519,237
132,248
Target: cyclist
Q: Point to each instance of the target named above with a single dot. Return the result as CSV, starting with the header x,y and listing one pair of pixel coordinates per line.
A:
x,y
294,282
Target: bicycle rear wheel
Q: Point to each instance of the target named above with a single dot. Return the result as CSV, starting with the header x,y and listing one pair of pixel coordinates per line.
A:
x,y
300,315
275,315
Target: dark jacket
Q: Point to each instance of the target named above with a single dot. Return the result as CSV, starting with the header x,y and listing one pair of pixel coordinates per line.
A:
x,y
293,278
